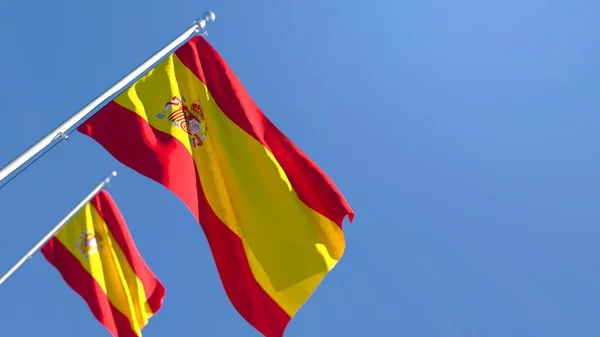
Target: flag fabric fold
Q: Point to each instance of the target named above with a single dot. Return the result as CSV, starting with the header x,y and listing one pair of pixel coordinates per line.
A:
x,y
272,217
97,257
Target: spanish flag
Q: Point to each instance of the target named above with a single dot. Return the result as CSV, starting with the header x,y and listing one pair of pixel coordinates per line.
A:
x,y
96,256
272,217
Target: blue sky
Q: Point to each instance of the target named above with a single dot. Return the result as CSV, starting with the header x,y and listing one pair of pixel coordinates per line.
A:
x,y
464,134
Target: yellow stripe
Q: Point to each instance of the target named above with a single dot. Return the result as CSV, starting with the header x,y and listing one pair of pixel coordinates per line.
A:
x,y
289,246
108,266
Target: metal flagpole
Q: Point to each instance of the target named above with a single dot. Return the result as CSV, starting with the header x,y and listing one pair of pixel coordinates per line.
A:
x,y
199,27
58,227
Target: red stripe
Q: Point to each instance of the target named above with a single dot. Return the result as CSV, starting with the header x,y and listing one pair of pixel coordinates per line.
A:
x,y
109,211
164,159
312,185
86,286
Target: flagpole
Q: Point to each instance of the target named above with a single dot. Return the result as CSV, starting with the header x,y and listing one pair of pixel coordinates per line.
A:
x,y
61,132
58,226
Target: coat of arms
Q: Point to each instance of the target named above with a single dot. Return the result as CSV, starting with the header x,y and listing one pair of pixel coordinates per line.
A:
x,y
88,243
189,119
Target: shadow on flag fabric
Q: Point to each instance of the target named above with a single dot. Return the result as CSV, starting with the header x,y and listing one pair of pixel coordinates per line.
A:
x,y
96,256
272,217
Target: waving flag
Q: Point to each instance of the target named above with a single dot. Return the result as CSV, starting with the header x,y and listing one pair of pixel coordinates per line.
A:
x,y
97,258
272,217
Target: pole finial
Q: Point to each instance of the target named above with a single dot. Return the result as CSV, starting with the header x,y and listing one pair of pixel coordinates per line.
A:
x,y
112,175
207,17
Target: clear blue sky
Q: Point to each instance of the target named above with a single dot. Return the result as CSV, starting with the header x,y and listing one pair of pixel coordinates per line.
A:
x,y
464,134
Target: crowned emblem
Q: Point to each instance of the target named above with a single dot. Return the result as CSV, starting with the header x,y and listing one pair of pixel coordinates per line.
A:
x,y
189,119
89,243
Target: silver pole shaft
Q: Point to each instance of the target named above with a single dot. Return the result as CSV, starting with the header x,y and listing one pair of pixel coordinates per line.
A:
x,y
58,227
199,27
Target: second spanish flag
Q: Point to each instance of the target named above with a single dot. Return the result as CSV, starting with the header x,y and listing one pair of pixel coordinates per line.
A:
x,y
97,258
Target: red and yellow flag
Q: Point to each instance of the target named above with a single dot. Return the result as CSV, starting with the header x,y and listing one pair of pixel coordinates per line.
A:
x,y
98,259
272,217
